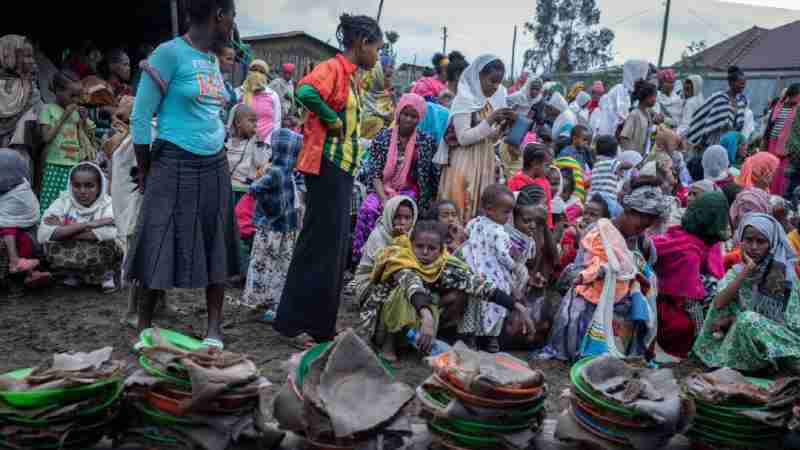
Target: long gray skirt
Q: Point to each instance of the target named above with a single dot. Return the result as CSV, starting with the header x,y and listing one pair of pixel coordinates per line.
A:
x,y
186,235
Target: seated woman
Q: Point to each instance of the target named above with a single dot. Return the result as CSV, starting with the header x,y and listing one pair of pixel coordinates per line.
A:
x,y
400,162
407,277
689,265
398,218
643,205
754,322
19,213
78,231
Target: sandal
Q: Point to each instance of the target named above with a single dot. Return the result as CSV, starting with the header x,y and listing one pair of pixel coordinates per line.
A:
x,y
213,343
302,341
37,280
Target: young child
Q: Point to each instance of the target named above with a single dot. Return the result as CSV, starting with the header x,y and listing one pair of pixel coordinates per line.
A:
x,y
276,226
248,157
446,212
78,231
488,251
579,147
65,132
605,174
536,160
407,279
636,132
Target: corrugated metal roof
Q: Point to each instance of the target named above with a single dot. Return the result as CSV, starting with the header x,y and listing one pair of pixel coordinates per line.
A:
x,y
756,49
288,34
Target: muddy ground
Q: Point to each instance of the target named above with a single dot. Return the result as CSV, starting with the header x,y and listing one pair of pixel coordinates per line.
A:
x,y
60,319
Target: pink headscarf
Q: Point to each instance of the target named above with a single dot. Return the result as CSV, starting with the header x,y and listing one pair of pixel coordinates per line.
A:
x,y
288,68
598,87
752,200
394,180
666,75
756,168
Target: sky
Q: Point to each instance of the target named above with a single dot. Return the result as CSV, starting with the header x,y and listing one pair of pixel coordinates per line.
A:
x,y
483,26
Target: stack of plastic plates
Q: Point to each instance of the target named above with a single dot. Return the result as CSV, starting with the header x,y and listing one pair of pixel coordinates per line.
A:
x,y
66,418
160,407
722,425
504,410
601,416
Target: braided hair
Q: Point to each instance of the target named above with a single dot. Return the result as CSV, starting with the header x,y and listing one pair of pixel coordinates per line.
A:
x,y
353,29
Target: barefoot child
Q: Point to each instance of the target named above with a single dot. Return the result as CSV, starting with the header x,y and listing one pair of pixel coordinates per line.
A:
x,y
78,231
488,251
276,226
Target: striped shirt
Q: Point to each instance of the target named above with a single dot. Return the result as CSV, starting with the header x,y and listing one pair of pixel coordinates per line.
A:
x,y
346,153
717,116
604,178
780,121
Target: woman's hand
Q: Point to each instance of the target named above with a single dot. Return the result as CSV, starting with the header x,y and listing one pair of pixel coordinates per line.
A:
x,y
427,332
749,264
500,115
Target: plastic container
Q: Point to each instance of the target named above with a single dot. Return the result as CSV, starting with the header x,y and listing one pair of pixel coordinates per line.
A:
x,y
437,348
522,126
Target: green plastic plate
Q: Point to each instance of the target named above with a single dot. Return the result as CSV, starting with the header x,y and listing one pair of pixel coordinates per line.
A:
x,y
712,438
742,435
156,372
467,440
314,352
725,422
108,401
733,408
42,398
588,394
179,340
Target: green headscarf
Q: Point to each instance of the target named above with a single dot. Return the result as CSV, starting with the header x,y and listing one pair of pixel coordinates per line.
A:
x,y
707,217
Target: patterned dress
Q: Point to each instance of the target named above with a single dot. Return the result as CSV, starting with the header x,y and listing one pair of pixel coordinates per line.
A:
x,y
488,251
395,296
766,331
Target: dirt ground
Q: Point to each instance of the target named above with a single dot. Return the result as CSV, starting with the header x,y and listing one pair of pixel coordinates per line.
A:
x,y
59,319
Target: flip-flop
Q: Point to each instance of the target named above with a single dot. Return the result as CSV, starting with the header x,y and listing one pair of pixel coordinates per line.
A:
x,y
36,280
302,341
269,316
24,265
215,343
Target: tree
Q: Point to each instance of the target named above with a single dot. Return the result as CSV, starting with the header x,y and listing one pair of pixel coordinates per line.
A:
x,y
567,37
391,40
688,62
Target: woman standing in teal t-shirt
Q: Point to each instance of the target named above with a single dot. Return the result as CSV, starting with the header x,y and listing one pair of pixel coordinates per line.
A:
x,y
186,236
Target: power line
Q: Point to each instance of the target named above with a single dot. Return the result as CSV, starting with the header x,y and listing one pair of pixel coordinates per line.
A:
x,y
696,15
632,16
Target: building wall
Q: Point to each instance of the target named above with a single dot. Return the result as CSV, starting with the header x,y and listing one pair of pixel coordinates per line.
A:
x,y
300,51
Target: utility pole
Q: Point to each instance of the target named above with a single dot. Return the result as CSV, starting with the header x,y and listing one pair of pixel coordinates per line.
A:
x,y
664,36
444,40
513,52
380,10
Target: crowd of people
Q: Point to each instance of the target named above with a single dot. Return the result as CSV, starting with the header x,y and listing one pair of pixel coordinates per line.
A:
x,y
642,220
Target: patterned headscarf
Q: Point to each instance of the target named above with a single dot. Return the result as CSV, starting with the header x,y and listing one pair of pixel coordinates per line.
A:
x,y
15,92
756,168
256,81
394,177
707,217
647,200
751,200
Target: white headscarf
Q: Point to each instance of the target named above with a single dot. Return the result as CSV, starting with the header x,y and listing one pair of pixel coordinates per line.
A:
x,y
470,96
